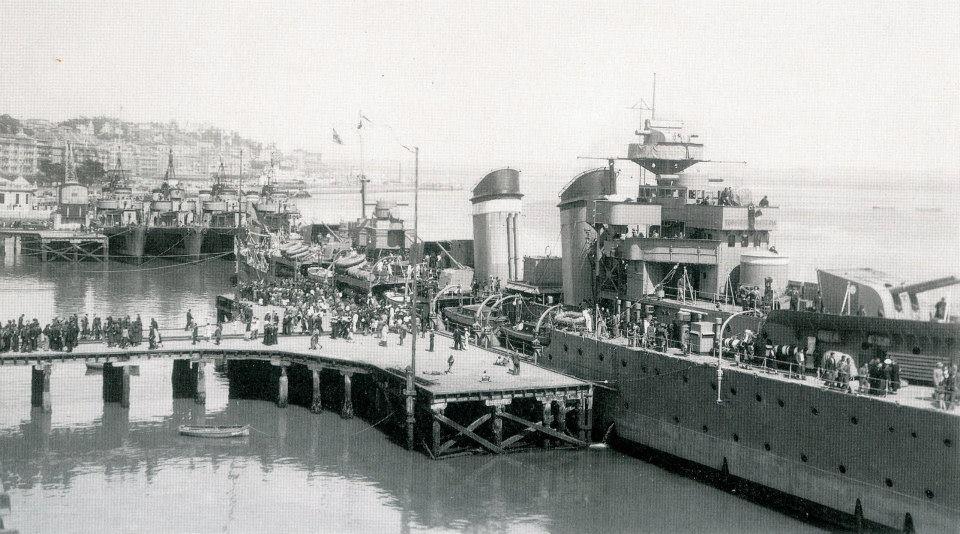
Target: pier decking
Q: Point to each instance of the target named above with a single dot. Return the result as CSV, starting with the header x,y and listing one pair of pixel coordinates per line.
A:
x,y
449,411
67,245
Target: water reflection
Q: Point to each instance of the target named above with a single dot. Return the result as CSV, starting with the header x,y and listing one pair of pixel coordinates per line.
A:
x,y
316,472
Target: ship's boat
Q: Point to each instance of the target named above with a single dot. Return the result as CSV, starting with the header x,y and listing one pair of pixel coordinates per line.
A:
x,y
318,273
214,431
360,272
570,319
466,316
518,336
396,297
350,260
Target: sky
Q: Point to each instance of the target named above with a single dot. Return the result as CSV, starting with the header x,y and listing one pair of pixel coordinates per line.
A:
x,y
487,84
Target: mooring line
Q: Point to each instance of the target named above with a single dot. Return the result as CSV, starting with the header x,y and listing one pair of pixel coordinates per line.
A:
x,y
373,425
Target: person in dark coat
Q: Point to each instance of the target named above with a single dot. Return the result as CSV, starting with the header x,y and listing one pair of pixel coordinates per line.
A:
x,y
189,320
433,335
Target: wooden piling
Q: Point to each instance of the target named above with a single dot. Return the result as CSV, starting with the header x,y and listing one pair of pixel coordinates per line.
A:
x,y
201,395
347,411
316,406
283,386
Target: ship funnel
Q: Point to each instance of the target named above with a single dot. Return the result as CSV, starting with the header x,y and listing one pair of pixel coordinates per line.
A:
x,y
496,216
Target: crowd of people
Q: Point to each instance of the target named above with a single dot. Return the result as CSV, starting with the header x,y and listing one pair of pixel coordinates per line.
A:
x,y
310,307
21,335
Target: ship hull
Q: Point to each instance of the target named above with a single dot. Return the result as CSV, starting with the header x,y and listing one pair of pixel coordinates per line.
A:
x,y
787,435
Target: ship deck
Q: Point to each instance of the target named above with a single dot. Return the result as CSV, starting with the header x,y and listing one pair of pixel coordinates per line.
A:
x,y
912,395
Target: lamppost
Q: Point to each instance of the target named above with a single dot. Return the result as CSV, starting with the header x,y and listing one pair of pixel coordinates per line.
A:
x,y
411,392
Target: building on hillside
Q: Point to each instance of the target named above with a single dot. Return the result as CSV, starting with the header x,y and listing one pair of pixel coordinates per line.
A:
x,y
17,193
18,155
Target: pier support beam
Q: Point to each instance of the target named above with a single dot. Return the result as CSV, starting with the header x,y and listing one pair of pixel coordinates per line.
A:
x,y
316,406
184,379
496,424
116,384
585,417
40,387
562,415
547,419
347,411
435,433
283,387
410,399
201,395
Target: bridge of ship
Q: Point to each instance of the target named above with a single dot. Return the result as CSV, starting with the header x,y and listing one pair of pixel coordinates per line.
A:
x,y
540,406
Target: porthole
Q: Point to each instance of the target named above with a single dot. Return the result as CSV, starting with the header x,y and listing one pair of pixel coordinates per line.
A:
x,y
549,356
890,429
888,482
929,494
704,428
842,468
759,398
733,391
948,442
643,368
781,403
814,410
676,419
854,420
623,363
916,350
713,386
656,371
803,458
736,437
565,348
913,434
766,446
579,352
686,379
600,356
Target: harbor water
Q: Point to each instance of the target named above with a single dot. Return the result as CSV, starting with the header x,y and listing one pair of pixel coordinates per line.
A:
x,y
88,465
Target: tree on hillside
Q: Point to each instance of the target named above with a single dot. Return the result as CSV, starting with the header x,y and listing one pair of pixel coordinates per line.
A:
x,y
50,173
90,172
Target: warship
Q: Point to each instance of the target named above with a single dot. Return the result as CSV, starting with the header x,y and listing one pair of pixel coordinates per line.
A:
x,y
740,379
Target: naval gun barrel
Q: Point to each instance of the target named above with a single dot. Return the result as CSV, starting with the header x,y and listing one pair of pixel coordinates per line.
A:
x,y
929,285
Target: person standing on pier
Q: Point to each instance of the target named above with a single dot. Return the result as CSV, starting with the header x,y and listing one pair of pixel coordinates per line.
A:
x,y
433,334
516,362
85,327
457,339
189,320
402,330
97,328
153,334
450,363
195,334
217,333
314,338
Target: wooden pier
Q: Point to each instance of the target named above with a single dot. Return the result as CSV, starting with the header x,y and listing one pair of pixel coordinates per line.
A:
x,y
476,407
65,245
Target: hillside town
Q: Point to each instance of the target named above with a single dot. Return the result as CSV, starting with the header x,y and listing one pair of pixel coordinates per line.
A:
x,y
33,149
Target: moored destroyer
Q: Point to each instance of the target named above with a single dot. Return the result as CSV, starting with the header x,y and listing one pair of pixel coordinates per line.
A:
x,y
711,357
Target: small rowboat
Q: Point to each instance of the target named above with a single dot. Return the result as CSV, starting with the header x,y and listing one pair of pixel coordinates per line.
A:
x,y
205,431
